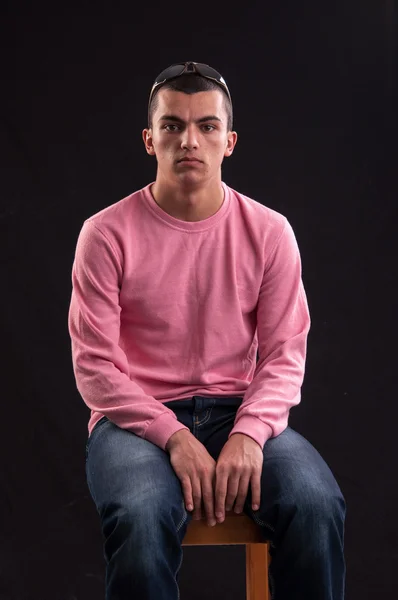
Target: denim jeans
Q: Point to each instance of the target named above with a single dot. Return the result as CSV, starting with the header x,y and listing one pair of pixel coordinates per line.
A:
x,y
141,506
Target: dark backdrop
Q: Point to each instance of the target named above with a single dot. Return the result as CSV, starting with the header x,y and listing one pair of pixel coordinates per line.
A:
x,y
314,88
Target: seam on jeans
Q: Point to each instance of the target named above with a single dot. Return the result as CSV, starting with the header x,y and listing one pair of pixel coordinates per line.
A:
x,y
97,427
272,585
181,523
270,576
264,524
208,414
99,423
184,518
207,417
178,587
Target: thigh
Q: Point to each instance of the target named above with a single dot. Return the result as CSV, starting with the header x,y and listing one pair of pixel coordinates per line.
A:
x,y
129,473
294,474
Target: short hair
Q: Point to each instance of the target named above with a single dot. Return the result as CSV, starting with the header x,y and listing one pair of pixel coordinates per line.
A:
x,y
191,84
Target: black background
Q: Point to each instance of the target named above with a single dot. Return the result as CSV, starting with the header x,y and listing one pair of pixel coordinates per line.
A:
x,y
314,86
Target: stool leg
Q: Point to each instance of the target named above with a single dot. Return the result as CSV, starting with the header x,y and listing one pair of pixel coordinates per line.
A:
x,y
257,572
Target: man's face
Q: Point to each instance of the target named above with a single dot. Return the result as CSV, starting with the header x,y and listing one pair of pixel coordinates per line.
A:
x,y
189,126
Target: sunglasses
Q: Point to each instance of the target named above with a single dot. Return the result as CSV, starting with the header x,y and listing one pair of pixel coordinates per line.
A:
x,y
189,67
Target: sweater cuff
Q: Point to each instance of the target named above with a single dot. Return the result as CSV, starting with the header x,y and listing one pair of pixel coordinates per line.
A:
x,y
259,431
161,430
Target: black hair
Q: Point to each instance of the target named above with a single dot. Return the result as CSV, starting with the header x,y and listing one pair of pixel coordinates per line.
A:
x,y
191,84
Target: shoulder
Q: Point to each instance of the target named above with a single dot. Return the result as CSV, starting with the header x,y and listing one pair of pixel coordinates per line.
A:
x,y
116,214
115,223
270,222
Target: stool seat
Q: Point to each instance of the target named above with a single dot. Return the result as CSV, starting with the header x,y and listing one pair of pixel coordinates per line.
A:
x,y
237,529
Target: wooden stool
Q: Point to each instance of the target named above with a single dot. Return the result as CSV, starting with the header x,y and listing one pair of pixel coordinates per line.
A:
x,y
237,530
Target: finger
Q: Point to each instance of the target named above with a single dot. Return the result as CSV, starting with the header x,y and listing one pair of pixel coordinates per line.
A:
x,y
197,499
220,493
242,493
187,491
232,491
208,499
255,484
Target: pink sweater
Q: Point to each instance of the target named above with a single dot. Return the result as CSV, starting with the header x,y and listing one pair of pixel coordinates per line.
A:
x,y
164,309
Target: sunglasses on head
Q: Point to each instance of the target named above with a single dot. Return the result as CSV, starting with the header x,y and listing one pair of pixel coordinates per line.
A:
x,y
189,67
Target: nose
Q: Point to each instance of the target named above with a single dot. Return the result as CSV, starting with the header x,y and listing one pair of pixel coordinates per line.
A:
x,y
189,140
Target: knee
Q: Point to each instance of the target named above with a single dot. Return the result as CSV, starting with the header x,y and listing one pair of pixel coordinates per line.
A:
x,y
143,528
152,511
144,517
320,502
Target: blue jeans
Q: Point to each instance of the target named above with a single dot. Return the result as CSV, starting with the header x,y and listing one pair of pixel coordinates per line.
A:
x,y
143,518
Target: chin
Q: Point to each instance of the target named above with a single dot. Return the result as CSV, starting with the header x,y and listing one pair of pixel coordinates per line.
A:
x,y
188,175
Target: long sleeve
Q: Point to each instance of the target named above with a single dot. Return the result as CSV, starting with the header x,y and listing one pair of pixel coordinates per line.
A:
x,y
100,365
283,323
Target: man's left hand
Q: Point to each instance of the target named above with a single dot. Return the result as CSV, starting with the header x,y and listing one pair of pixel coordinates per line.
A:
x,y
240,462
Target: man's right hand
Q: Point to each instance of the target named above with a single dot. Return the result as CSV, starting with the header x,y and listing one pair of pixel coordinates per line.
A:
x,y
196,470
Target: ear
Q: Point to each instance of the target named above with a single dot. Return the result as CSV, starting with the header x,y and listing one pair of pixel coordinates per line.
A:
x,y
148,141
231,142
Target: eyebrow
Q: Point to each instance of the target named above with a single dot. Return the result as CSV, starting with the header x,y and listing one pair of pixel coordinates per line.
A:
x,y
178,120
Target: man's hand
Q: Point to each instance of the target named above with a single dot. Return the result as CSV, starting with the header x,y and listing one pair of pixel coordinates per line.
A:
x,y
240,462
196,470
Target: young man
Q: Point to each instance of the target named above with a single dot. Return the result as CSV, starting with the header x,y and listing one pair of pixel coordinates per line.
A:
x,y
175,289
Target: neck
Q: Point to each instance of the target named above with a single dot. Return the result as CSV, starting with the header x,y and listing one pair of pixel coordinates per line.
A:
x,y
189,203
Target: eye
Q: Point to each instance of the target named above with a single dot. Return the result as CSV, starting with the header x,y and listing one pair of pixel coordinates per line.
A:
x,y
171,125
211,127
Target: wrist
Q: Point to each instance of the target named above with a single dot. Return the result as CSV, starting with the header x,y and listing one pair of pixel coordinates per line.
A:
x,y
176,438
